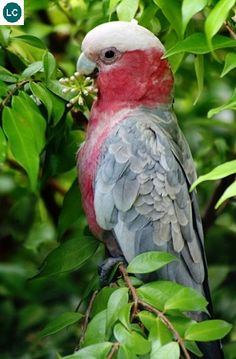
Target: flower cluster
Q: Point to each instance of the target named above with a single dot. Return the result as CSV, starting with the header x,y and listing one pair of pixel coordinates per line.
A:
x,y
80,87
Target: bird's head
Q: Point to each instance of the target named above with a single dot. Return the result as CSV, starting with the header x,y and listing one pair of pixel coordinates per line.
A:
x,y
126,60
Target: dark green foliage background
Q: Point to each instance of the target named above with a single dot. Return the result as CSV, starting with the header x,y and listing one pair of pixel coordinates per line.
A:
x,y
38,214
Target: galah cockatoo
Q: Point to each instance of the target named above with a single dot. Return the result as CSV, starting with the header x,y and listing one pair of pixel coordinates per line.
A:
x,y
135,167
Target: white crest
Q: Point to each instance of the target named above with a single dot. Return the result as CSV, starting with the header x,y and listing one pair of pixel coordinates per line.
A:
x,y
125,36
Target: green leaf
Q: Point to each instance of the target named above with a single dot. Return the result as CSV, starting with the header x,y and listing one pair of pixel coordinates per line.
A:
x,y
5,33
216,18
61,322
170,351
49,65
186,299
96,330
32,69
3,146
208,330
199,69
230,104
125,353
30,40
126,9
221,171
157,293
96,351
71,208
189,9
158,332
69,256
228,193
172,11
101,300
25,127
124,315
117,300
112,5
230,63
7,76
150,261
134,341
197,44
180,323
192,347
42,94
217,274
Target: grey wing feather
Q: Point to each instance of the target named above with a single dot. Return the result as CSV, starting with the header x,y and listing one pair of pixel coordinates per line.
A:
x,y
145,172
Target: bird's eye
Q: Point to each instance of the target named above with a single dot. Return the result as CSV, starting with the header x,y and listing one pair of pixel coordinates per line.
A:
x,y
109,55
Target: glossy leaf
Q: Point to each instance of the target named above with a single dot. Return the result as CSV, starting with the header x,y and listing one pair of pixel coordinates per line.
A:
x,y
49,65
228,193
216,18
125,353
32,69
134,341
149,261
221,171
230,104
172,11
96,330
25,127
3,146
126,9
189,9
186,299
170,351
229,64
70,209
41,93
101,300
30,40
96,351
199,69
197,44
61,322
7,76
69,256
157,293
54,105
208,330
117,300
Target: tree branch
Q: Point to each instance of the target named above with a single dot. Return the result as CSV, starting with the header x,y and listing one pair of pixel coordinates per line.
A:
x,y
150,308
86,319
11,93
114,349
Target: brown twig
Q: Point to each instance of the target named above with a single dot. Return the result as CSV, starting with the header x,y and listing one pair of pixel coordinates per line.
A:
x,y
131,287
86,319
168,324
210,214
150,308
231,31
12,92
114,349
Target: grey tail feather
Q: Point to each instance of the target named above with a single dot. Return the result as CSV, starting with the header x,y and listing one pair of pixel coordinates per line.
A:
x,y
211,350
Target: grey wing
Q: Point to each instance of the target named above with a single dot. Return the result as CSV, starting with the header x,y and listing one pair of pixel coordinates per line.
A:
x,y
142,195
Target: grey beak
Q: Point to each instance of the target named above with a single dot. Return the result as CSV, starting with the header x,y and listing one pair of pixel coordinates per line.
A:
x,y
85,66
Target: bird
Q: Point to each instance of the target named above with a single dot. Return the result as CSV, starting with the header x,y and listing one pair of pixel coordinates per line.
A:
x,y
135,167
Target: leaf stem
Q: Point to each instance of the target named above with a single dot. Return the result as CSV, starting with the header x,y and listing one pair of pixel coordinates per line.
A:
x,y
114,349
12,92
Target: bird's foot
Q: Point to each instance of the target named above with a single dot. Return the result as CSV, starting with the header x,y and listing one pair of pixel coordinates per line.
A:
x,y
108,268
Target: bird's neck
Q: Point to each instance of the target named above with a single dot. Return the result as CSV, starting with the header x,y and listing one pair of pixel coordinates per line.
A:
x,y
142,78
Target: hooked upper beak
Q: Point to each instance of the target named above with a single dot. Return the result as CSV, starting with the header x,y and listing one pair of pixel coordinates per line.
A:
x,y
86,66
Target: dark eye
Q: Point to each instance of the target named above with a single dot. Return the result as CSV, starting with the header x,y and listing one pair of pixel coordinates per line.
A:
x,y
109,55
